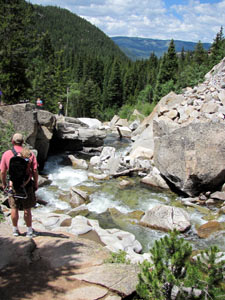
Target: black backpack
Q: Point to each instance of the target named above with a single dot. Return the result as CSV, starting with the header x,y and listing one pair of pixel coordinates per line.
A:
x,y
18,169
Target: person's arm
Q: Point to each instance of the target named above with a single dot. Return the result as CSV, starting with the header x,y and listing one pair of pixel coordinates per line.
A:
x,y
34,169
3,168
3,178
35,176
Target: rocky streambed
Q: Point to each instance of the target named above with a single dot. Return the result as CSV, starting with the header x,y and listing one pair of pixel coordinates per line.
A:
x,y
106,208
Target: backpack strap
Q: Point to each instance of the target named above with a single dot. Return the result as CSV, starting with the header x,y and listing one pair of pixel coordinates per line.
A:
x,y
14,151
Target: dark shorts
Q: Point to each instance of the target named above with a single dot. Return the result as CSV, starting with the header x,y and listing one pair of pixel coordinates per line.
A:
x,y
22,203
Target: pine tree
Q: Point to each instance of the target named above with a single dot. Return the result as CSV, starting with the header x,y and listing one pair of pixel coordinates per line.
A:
x,y
218,48
167,75
128,86
15,42
90,95
47,73
169,256
173,275
114,90
207,274
200,55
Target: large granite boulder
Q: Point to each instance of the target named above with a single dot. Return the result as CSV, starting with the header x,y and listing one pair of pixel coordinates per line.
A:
x,y
166,218
183,131
23,118
74,134
191,158
36,126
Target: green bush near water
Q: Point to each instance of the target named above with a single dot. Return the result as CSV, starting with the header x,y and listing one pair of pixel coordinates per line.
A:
x,y
119,258
174,269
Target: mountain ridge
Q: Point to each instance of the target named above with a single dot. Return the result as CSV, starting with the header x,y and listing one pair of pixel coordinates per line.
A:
x,y
141,48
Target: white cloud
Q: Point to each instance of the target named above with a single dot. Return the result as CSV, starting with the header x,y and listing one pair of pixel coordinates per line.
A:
x,y
192,21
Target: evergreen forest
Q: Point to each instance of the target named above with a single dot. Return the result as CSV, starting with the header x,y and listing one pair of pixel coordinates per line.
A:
x,y
53,54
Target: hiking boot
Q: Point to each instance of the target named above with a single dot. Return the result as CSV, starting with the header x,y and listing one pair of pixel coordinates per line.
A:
x,y
16,232
31,234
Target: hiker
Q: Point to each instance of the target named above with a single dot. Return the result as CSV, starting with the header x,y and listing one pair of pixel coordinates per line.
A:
x,y
20,196
61,109
39,103
25,154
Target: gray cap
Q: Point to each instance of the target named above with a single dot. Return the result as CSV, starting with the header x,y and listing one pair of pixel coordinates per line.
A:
x,y
17,138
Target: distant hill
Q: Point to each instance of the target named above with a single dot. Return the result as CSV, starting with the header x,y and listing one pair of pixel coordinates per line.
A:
x,y
74,34
141,48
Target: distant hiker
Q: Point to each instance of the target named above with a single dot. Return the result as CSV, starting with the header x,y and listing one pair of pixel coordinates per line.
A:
x,y
39,103
22,187
61,109
0,97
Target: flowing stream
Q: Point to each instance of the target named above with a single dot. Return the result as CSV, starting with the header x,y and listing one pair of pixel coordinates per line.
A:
x,y
110,205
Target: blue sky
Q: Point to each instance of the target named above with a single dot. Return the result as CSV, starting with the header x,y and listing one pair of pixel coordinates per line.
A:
x,y
187,20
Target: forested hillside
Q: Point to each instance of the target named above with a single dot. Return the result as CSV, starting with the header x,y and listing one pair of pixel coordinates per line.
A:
x,y
50,53
141,48
73,33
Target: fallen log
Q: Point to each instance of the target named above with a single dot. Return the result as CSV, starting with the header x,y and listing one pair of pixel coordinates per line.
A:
x,y
128,172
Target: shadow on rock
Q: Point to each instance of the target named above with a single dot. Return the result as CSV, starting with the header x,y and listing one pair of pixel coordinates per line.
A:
x,y
35,265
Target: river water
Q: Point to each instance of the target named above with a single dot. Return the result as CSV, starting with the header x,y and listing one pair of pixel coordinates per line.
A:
x,y
110,205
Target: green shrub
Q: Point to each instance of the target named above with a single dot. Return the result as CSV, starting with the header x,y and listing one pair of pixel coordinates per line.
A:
x,y
172,269
119,258
108,113
144,108
126,111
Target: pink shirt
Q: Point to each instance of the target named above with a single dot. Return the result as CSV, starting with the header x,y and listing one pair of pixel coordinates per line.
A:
x,y
4,166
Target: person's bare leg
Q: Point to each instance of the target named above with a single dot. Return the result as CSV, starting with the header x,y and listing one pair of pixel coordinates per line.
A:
x,y
28,217
14,216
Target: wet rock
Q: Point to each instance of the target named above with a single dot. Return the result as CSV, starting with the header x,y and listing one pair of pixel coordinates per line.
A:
x,y
78,163
42,181
209,202
166,218
81,210
78,197
125,184
222,210
96,177
207,229
136,214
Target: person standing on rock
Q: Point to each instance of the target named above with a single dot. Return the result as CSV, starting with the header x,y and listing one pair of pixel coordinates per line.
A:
x,y
28,200
61,109
39,103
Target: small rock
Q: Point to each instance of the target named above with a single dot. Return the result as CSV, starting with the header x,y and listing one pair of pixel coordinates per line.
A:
x,y
205,230
218,196
210,202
